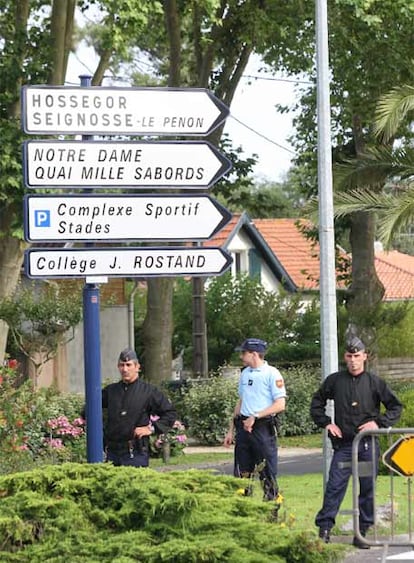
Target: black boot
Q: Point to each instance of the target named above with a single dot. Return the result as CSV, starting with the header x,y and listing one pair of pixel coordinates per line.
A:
x,y
356,542
325,535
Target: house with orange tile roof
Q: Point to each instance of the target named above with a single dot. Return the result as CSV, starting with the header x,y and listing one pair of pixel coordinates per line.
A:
x,y
283,257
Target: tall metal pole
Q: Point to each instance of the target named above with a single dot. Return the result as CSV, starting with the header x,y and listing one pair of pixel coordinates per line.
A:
x,y
329,336
92,358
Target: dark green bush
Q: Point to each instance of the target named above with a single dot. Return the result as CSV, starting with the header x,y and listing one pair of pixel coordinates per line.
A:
x,y
208,408
397,342
94,513
406,396
37,426
301,383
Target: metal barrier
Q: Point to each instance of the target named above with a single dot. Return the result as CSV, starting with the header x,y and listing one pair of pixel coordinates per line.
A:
x,y
365,469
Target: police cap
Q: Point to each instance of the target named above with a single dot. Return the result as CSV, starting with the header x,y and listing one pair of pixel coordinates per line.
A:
x,y
354,345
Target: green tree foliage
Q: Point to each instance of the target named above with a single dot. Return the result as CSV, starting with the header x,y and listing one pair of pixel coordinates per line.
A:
x,y
239,307
264,200
35,41
360,33
40,320
385,165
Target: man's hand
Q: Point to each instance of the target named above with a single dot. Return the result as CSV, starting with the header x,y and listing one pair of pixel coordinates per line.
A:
x,y
371,425
334,430
228,439
249,423
141,431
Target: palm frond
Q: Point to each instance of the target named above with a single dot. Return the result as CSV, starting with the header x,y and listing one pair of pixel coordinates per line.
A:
x,y
395,210
398,217
391,111
374,168
346,203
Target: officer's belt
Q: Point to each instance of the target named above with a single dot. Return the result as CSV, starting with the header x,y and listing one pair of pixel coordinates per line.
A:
x,y
124,446
262,420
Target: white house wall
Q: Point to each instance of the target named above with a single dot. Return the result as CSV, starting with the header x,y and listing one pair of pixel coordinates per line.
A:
x,y
113,339
241,243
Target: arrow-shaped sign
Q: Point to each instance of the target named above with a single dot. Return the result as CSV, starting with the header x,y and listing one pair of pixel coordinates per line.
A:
x,y
162,164
130,262
120,111
125,217
400,456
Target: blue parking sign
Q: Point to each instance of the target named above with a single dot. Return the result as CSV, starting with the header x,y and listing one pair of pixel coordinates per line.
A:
x,y
42,218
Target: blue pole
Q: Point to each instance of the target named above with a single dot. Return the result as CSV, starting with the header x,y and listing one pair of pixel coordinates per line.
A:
x,y
93,392
92,358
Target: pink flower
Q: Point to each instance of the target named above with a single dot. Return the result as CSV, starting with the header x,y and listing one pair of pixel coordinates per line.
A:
x,y
181,438
54,443
79,421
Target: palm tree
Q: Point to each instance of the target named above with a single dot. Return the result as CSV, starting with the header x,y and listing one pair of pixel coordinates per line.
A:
x,y
382,180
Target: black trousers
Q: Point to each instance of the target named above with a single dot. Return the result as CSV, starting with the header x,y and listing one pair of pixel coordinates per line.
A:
x,y
339,473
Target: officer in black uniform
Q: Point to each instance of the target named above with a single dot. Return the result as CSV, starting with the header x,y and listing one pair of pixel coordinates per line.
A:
x,y
129,404
357,396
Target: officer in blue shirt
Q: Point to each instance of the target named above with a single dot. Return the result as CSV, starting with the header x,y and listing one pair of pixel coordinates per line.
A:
x,y
262,396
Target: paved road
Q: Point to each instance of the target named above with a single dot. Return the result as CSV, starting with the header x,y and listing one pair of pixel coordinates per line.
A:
x,y
375,554
290,463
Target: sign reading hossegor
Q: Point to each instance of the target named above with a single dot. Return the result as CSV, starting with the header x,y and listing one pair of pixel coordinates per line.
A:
x,y
195,164
131,262
125,217
120,111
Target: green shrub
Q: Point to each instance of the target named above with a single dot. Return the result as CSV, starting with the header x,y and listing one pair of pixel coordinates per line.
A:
x,y
301,383
37,426
96,512
208,408
406,396
398,342
407,416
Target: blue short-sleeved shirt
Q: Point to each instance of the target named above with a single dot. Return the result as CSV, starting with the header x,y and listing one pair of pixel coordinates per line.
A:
x,y
259,388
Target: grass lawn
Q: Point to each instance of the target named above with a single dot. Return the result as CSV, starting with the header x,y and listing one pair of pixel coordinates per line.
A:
x,y
303,494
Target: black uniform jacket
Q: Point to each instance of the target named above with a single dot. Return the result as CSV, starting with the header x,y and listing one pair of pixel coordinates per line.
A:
x,y
130,405
357,400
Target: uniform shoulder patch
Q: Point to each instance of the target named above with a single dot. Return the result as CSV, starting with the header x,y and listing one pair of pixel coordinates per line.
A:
x,y
280,383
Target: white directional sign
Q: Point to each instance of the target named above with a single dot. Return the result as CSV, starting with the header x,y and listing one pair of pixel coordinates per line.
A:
x,y
190,164
126,262
120,111
124,217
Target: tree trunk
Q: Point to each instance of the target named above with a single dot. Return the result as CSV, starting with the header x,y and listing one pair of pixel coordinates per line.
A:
x,y
157,330
11,256
58,36
366,291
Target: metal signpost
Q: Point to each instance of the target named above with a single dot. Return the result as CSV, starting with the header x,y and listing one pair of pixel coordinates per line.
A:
x,y
99,164
124,217
88,164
